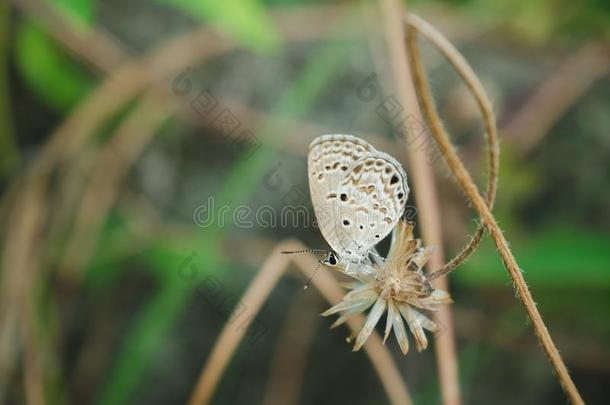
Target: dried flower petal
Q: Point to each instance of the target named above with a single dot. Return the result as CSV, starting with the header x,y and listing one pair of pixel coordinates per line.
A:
x,y
355,309
371,321
421,342
388,323
346,304
400,331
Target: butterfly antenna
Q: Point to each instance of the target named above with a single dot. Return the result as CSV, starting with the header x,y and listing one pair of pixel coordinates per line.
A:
x,y
313,273
290,252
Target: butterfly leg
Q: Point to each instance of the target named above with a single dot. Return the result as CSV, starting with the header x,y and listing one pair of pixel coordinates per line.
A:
x,y
347,267
376,257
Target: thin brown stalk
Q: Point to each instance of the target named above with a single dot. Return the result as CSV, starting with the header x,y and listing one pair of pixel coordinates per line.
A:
x,y
253,299
421,173
19,260
32,368
292,350
493,148
111,166
417,25
96,47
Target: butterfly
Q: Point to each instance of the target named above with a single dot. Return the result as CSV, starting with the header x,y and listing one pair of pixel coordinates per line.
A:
x,y
358,195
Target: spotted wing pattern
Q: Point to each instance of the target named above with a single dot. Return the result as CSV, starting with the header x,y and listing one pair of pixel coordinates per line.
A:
x,y
358,193
330,157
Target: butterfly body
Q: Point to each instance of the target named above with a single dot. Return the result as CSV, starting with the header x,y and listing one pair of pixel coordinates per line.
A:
x,y
358,194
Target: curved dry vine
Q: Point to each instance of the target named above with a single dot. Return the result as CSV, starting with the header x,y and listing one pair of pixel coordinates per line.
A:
x,y
416,25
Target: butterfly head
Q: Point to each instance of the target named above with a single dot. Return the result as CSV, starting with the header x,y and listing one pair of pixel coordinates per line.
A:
x,y
331,259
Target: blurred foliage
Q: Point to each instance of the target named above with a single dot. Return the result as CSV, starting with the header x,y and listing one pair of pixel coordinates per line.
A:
x,y
553,206
158,316
556,257
9,154
63,82
244,20
80,12
540,21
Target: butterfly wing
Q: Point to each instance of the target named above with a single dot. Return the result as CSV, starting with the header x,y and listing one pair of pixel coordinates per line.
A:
x,y
330,158
371,199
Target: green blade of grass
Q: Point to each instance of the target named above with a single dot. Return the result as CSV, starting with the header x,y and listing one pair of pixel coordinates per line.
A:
x,y
244,20
559,257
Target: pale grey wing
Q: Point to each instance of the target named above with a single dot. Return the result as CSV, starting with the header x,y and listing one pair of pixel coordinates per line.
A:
x,y
372,197
330,157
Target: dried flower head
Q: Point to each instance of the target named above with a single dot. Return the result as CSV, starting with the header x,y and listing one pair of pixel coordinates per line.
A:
x,y
397,284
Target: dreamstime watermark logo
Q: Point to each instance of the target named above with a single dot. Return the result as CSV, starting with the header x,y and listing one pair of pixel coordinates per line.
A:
x,y
267,216
222,301
243,216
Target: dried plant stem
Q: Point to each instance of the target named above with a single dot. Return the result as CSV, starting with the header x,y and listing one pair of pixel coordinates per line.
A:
x,y
98,48
32,369
254,297
21,251
227,342
423,180
110,168
417,25
493,148
292,351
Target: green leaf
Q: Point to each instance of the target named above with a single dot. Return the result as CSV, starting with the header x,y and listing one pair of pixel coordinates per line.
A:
x,y
50,74
48,70
79,11
244,20
559,257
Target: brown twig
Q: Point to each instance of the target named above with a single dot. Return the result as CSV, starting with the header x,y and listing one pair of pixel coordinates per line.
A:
x,y
32,368
20,256
429,218
110,167
493,148
254,297
291,353
417,25
95,47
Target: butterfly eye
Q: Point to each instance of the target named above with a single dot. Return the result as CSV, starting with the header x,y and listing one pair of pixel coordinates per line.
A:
x,y
332,259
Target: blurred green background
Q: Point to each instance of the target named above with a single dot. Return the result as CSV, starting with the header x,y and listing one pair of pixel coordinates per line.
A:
x,y
119,120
